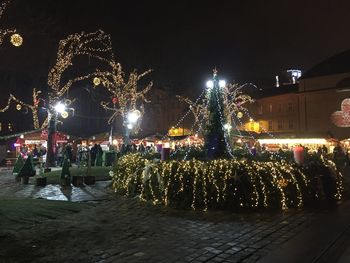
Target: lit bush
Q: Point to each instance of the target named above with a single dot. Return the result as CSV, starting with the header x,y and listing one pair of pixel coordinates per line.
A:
x,y
226,184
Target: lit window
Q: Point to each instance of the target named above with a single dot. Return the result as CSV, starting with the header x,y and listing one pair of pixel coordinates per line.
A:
x,y
270,108
10,126
0,126
270,125
280,125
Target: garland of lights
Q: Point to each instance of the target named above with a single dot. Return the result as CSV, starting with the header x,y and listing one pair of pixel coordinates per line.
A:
x,y
228,184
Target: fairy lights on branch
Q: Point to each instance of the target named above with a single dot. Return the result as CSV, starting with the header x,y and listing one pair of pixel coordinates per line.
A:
x,y
16,39
126,95
95,45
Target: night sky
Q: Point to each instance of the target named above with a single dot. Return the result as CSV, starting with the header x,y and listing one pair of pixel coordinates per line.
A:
x,y
248,41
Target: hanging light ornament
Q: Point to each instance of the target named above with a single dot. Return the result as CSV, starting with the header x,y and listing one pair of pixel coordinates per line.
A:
x,y
16,40
64,115
18,107
96,81
115,100
239,115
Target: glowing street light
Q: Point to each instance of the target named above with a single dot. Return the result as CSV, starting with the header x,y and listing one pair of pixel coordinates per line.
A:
x,y
222,83
133,116
210,84
129,126
227,127
60,107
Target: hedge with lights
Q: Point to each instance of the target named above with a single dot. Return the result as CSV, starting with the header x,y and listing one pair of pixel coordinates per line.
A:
x,y
226,184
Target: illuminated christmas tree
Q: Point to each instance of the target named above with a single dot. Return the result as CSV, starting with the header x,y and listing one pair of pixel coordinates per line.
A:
x,y
18,165
27,169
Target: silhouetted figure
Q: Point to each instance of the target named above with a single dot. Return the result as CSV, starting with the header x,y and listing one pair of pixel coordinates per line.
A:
x,y
93,154
35,152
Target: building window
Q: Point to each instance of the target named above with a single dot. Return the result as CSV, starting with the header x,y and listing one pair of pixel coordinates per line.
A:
x,y
290,107
270,108
270,125
260,110
280,124
291,124
279,107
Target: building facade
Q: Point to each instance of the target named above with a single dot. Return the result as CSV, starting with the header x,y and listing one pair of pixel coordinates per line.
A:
x,y
317,106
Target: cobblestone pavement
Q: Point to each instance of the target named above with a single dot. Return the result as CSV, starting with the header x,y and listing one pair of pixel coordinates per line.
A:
x,y
125,230
11,189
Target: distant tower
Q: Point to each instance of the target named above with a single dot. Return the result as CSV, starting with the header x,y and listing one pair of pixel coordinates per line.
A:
x,y
288,77
293,75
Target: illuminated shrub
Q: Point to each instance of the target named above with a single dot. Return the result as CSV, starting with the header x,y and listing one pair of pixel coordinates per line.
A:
x,y
226,184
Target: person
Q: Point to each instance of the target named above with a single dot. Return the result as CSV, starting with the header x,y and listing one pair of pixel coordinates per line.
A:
x,y
93,154
42,150
338,151
59,151
35,152
99,155
141,148
79,154
324,149
68,152
338,155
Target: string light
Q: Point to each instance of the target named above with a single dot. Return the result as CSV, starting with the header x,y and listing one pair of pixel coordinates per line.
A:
x,y
220,183
126,90
20,104
96,81
16,40
4,32
95,45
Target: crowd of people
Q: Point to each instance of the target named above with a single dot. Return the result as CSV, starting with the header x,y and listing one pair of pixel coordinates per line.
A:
x,y
36,150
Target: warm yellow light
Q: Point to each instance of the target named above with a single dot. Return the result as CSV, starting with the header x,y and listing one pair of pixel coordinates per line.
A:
x,y
64,114
18,106
251,120
16,40
96,81
239,115
166,145
115,142
293,141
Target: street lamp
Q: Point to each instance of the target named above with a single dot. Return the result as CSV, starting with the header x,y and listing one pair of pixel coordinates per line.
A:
x,y
133,116
54,111
60,107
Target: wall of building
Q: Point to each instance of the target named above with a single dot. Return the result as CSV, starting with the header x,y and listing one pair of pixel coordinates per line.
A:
x,y
307,112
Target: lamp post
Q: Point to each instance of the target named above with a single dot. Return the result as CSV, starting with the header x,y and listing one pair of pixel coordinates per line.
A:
x,y
130,122
53,111
215,130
